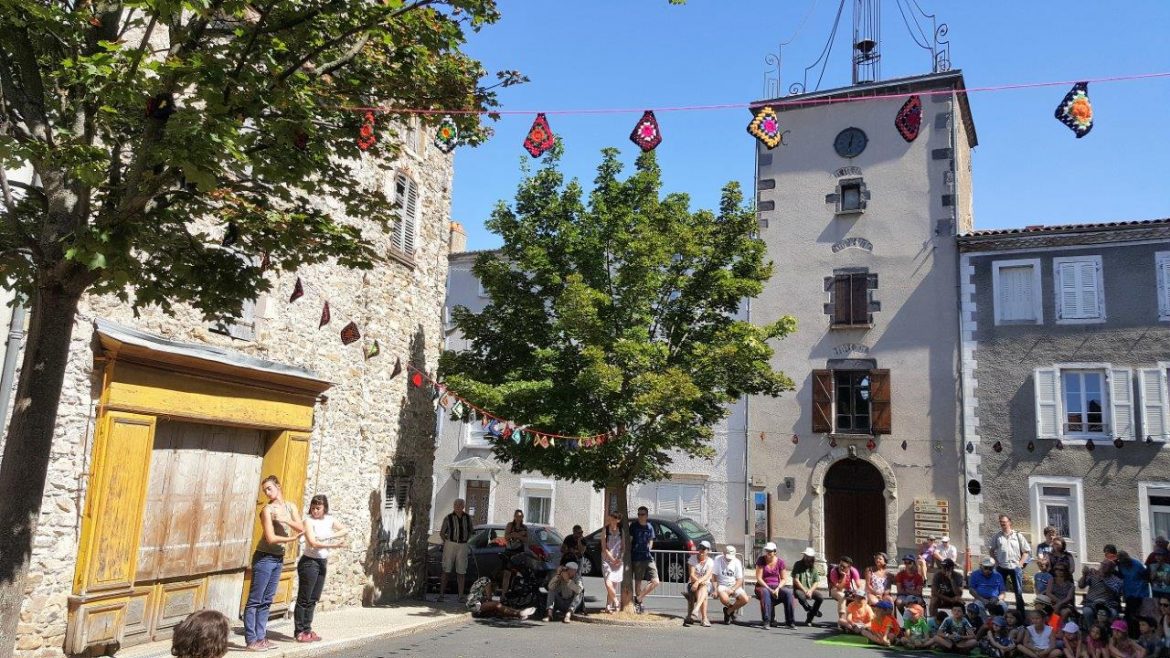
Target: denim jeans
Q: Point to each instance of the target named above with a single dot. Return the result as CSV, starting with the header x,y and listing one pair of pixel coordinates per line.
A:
x,y
265,578
310,580
1014,579
768,603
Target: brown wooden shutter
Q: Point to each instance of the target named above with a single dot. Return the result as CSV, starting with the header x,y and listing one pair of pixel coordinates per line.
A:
x,y
881,416
841,300
822,413
859,298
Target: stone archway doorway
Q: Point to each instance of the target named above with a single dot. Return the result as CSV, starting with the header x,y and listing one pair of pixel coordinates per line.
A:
x,y
855,511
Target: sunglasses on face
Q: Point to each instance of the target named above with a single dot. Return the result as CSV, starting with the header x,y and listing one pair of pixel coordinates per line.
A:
x,y
642,516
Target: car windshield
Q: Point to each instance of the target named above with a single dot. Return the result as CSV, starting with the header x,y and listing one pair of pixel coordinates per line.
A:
x,y
691,528
546,536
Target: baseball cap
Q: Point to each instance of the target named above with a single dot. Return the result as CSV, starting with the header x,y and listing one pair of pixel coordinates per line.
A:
x,y
770,546
729,549
884,605
946,540
999,621
1071,627
572,566
810,551
987,562
908,558
1120,625
973,607
705,544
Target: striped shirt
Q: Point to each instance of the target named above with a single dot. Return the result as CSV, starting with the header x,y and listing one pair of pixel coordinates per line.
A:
x,y
456,528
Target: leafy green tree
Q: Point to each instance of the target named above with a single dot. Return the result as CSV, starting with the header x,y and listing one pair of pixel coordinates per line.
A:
x,y
154,128
616,313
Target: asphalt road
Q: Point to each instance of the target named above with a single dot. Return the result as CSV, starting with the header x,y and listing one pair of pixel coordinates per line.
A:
x,y
495,638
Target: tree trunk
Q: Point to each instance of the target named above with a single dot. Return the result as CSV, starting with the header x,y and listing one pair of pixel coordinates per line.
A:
x,y
623,508
29,446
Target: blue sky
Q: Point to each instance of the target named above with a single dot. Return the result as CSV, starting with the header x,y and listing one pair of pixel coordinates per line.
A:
x,y
1028,168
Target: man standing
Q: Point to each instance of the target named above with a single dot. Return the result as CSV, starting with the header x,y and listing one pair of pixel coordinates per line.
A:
x,y
1010,551
729,583
564,593
804,585
1135,588
987,585
641,543
455,532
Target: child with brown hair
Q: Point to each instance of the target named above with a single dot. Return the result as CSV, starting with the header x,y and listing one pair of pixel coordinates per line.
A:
x,y
203,634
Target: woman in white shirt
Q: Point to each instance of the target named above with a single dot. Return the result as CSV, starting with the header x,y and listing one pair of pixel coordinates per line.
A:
x,y
322,534
699,586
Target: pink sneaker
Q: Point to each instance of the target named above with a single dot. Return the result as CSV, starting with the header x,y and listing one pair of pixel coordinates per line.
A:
x,y
313,637
256,646
303,637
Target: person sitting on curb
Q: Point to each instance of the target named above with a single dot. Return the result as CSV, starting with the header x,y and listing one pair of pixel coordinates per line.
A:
x,y
946,588
916,631
998,642
729,583
804,585
770,590
857,615
481,605
909,583
700,568
987,585
843,579
565,593
883,628
1040,641
956,633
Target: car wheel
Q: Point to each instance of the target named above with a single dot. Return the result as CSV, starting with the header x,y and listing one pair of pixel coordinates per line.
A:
x,y
585,568
676,573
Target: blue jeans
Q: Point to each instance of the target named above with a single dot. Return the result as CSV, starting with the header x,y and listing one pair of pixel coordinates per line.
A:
x,y
1014,579
768,602
265,578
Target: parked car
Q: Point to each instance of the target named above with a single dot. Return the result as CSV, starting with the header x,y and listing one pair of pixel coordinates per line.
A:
x,y
671,533
486,546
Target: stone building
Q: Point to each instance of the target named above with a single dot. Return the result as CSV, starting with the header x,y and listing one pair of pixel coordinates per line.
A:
x,y
709,492
1066,346
167,426
860,218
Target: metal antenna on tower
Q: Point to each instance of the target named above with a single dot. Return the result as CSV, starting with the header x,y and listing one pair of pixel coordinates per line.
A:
x,y
867,37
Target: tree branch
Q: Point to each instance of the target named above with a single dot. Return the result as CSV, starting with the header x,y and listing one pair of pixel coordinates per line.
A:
x,y
346,58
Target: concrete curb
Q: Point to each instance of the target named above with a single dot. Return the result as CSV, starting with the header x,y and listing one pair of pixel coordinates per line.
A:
x,y
315,648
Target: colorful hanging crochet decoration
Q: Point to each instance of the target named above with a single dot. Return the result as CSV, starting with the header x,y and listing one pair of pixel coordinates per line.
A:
x,y
447,135
766,127
540,137
326,316
909,118
1075,111
350,334
298,291
373,350
646,133
366,137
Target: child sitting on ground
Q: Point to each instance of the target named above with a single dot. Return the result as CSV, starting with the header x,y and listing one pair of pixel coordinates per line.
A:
x,y
916,632
1071,639
956,633
1120,645
883,628
203,634
1039,642
998,642
1095,645
1148,636
858,614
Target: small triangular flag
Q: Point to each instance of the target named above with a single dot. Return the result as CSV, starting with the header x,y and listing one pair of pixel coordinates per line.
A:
x,y
373,350
350,334
397,366
325,315
298,291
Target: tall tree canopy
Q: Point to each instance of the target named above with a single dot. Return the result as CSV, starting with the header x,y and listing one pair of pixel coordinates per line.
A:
x,y
616,312
154,127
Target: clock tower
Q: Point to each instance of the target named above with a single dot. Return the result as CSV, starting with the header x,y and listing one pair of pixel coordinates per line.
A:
x,y
859,207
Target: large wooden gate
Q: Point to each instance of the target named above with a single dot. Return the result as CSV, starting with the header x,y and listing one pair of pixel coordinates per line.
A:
x,y
855,511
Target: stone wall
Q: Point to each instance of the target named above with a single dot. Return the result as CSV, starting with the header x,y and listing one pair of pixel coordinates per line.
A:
x,y
369,421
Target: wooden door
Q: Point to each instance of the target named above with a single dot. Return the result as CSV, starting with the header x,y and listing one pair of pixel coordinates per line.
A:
x,y
478,496
855,511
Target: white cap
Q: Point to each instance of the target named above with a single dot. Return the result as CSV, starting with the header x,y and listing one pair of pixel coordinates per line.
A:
x,y
987,562
1071,627
946,539
810,551
770,546
729,549
705,544
572,566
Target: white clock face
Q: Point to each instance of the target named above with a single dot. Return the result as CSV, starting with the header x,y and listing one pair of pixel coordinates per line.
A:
x,y
850,142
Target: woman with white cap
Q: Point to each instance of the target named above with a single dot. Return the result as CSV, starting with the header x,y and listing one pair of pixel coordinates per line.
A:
x,y
770,574
700,567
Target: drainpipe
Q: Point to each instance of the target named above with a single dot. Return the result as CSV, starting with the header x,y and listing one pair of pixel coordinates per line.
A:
x,y
956,116
12,351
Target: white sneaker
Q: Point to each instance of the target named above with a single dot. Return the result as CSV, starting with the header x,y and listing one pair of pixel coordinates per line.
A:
x,y
527,612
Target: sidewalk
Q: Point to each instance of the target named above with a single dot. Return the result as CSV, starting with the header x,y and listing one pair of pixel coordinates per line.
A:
x,y
340,629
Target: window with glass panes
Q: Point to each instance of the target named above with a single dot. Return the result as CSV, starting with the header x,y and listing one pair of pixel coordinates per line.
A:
x,y
1083,394
538,508
853,401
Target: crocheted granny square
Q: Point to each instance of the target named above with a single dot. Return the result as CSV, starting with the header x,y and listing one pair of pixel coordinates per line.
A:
x,y
766,127
646,133
446,135
366,137
909,118
1075,111
540,137
350,333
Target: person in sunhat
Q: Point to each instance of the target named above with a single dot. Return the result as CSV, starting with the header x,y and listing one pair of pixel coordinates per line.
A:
x,y
804,585
1120,643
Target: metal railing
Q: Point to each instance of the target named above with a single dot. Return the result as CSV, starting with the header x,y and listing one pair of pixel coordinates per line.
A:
x,y
672,572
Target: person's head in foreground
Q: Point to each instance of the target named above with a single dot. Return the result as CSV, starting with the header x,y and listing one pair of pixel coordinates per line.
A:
x,y
202,634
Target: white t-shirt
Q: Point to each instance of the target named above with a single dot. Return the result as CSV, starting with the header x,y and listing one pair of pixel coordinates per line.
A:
x,y
322,532
701,568
1041,640
728,571
946,552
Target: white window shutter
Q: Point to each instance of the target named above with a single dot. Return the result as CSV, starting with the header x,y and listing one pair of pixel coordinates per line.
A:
x,y
1067,289
667,502
692,502
1047,383
1090,294
1015,293
1164,286
410,216
1152,384
1121,403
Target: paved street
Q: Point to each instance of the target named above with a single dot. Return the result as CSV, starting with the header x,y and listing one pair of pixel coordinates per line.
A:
x,y
493,638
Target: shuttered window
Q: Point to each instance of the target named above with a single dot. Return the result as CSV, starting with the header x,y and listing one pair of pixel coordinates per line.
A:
x,y
1162,262
395,510
1079,293
1016,286
851,299
1082,403
683,499
1155,415
852,402
406,227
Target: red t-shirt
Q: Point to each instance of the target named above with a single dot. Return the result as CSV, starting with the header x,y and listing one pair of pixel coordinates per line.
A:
x,y
909,582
